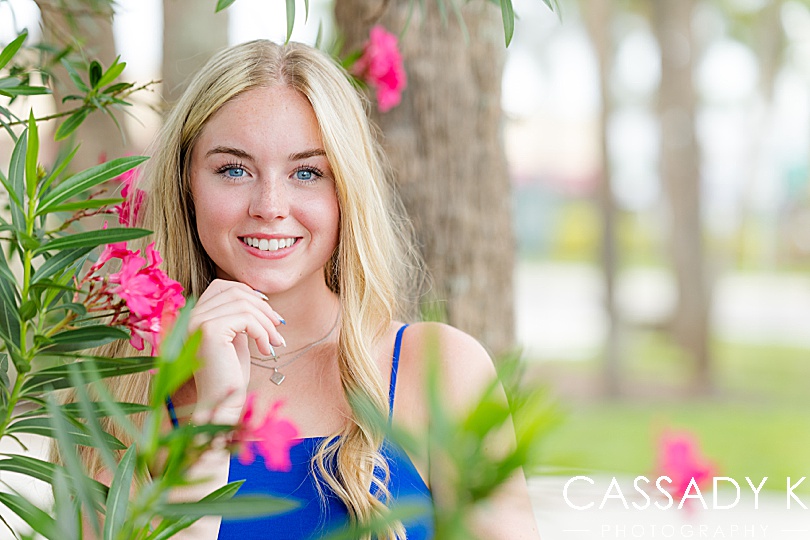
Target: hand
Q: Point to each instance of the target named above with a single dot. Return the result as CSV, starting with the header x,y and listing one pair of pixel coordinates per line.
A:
x,y
229,313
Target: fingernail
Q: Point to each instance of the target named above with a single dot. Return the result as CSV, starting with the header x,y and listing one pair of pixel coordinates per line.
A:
x,y
281,319
261,294
272,351
282,340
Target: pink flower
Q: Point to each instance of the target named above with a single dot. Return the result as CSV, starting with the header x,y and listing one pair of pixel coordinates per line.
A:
x,y
129,209
381,67
680,459
151,297
271,436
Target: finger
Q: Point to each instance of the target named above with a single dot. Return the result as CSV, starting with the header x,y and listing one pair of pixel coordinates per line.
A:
x,y
231,316
227,327
231,291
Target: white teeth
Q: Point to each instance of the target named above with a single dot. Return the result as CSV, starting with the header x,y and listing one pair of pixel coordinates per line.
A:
x,y
273,244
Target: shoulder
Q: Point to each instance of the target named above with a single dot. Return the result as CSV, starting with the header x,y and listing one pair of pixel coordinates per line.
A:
x,y
465,368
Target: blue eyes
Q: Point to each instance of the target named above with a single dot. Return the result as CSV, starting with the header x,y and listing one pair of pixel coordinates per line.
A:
x,y
303,174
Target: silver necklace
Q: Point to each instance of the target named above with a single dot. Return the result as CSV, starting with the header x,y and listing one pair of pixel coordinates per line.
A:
x,y
277,376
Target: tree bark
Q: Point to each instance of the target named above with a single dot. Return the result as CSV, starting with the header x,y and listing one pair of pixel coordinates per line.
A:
x,y
192,33
598,15
680,173
89,27
445,143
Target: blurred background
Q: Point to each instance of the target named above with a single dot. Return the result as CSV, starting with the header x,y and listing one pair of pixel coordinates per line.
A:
x,y
657,158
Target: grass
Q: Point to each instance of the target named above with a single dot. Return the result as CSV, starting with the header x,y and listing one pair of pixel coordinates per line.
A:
x,y
757,424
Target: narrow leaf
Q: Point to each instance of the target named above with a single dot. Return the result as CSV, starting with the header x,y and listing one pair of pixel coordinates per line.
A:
x,y
508,15
39,469
33,516
79,434
94,72
57,377
246,506
87,337
170,527
74,76
223,4
112,73
24,91
92,239
16,177
71,124
84,180
118,495
11,49
290,18
59,262
31,155
89,204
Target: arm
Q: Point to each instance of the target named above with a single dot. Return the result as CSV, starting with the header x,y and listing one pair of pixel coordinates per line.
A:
x,y
466,371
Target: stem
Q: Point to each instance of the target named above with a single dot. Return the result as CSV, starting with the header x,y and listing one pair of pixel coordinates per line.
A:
x,y
12,402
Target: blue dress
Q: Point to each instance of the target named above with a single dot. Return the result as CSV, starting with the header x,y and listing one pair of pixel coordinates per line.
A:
x,y
319,514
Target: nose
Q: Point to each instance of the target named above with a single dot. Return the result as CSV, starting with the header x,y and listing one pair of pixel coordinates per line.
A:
x,y
270,200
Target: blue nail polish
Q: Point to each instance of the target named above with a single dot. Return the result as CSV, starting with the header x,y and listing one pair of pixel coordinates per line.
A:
x,y
260,293
282,321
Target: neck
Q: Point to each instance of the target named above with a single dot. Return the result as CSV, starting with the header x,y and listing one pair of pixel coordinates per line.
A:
x,y
309,314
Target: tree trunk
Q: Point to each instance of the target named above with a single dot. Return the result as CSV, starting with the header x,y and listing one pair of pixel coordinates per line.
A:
x,y
445,143
192,33
598,15
89,26
680,173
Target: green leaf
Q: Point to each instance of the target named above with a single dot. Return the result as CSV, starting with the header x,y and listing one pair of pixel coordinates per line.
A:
x,y
118,495
40,470
81,484
16,177
33,516
75,307
27,310
245,506
508,15
94,72
170,527
84,338
112,73
4,381
92,239
11,49
290,18
78,432
31,156
87,179
13,91
71,124
99,409
74,76
66,508
118,87
59,262
58,376
223,4
12,196
9,315
90,204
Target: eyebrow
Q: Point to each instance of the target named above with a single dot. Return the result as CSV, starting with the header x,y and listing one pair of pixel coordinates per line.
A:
x,y
297,156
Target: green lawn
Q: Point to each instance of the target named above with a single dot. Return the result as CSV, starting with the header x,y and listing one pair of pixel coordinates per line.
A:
x,y
757,423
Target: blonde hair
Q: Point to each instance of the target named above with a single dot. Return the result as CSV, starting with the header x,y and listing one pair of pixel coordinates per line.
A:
x,y
374,269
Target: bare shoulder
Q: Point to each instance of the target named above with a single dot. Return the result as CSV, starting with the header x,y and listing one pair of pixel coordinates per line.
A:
x,y
466,367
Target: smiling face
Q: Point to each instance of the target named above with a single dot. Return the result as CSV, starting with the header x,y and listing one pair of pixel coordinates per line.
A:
x,y
264,193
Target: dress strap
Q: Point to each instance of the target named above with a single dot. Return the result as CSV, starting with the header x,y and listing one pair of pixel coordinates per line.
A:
x,y
394,369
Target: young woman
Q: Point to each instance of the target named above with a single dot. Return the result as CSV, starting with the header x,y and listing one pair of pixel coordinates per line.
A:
x,y
270,204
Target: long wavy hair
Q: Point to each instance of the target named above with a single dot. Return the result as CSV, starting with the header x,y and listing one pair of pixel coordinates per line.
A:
x,y
375,269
